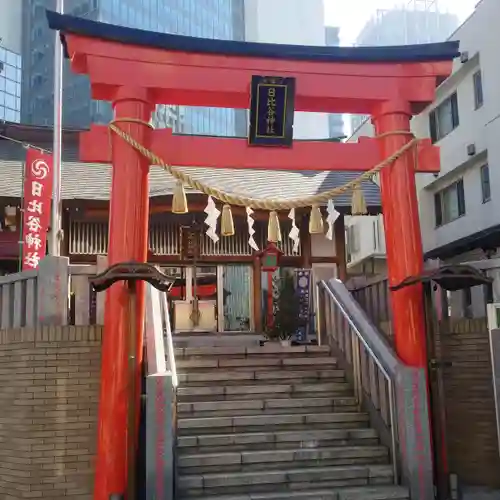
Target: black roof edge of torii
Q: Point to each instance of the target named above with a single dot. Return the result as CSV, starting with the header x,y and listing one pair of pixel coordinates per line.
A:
x,y
429,52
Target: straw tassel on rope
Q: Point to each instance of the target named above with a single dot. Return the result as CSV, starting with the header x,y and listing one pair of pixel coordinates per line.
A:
x,y
273,229
315,220
179,200
227,223
358,203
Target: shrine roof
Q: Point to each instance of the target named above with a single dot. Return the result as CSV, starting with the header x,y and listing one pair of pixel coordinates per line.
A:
x,y
407,53
91,182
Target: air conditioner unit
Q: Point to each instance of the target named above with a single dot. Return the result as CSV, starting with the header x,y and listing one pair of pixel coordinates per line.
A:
x,y
471,149
464,57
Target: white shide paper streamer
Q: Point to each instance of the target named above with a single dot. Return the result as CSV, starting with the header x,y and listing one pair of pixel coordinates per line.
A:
x,y
294,233
332,216
213,214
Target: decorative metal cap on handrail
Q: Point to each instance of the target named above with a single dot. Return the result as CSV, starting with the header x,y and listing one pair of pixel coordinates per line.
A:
x,y
451,277
132,272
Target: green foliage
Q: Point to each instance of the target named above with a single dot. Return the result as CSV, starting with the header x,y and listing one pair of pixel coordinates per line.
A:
x,y
286,318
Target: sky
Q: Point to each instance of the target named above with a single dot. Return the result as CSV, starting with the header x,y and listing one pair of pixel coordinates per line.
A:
x,y
351,15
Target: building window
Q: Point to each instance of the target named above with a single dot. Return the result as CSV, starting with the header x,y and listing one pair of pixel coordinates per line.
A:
x,y
444,119
485,183
478,89
449,204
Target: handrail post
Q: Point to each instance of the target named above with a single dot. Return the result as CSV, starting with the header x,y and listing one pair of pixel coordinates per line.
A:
x,y
394,431
319,316
356,367
170,341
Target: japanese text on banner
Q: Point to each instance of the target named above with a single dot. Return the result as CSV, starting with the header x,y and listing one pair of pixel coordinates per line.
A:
x,y
37,200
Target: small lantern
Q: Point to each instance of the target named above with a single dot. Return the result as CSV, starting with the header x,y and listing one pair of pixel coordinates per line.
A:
x,y
270,257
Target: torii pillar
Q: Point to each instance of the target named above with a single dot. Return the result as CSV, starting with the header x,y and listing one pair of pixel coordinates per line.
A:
x,y
402,231
128,242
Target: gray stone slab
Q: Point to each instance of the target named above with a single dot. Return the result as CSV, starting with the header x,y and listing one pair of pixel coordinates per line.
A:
x,y
310,361
314,349
214,351
327,473
322,387
229,439
252,404
259,389
257,420
244,478
341,452
160,436
221,375
413,432
274,348
336,417
200,391
209,459
249,362
300,374
188,482
187,441
53,291
186,364
299,403
374,493
209,422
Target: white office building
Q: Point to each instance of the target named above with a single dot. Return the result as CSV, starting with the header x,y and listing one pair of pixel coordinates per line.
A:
x,y
297,22
460,207
412,22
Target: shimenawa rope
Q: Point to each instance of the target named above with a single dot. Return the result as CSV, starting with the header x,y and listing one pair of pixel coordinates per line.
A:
x,y
269,204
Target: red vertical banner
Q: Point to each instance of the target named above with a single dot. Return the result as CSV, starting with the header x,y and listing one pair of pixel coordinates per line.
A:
x,y
37,205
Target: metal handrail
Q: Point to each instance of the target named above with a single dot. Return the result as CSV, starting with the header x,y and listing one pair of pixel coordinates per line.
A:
x,y
167,328
358,333
372,340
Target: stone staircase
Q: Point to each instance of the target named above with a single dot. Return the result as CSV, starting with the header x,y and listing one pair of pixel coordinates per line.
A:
x,y
272,423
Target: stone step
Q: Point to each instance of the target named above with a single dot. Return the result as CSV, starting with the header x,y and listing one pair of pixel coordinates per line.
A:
x,y
237,351
303,479
246,461
269,440
255,363
363,493
213,339
236,377
253,391
296,421
265,406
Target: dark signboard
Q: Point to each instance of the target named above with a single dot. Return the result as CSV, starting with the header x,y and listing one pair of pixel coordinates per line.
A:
x,y
272,110
190,243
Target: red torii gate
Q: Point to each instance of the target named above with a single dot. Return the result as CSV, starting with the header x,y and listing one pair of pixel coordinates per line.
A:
x,y
137,69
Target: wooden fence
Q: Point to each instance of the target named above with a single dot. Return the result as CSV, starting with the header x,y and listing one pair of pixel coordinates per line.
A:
x,y
57,293
372,294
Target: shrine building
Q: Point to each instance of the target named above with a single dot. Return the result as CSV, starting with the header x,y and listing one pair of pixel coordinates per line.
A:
x,y
230,285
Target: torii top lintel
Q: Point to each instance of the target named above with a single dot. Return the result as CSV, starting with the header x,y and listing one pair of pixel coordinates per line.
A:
x,y
192,71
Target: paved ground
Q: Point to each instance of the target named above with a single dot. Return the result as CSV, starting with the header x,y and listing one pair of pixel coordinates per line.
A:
x,y
481,494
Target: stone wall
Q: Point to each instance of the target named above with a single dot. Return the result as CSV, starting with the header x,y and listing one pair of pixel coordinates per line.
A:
x,y
49,388
463,344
